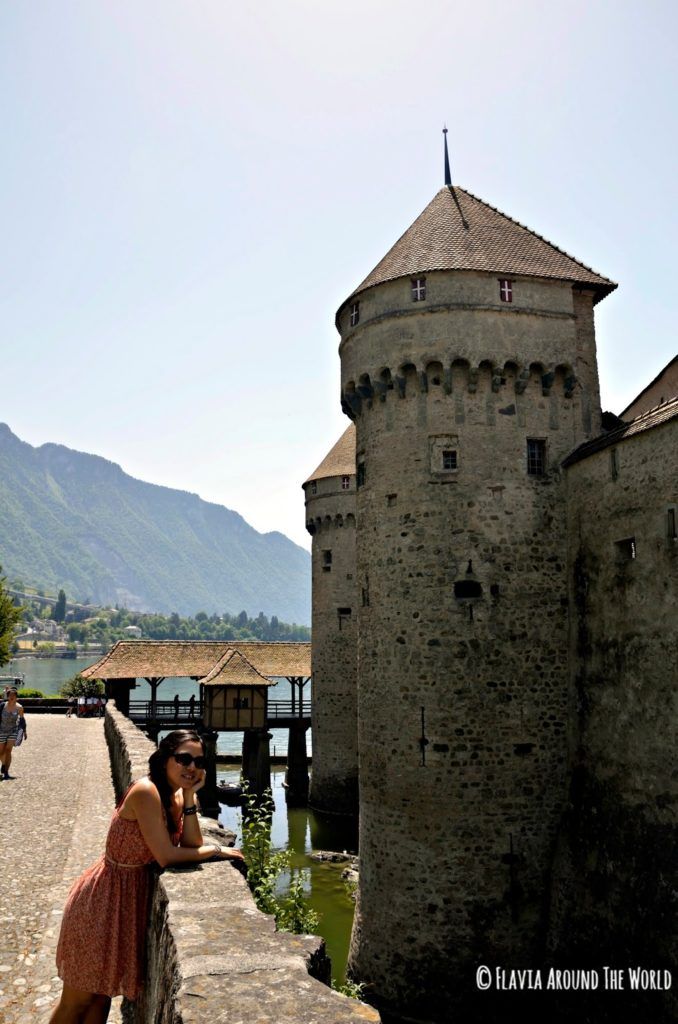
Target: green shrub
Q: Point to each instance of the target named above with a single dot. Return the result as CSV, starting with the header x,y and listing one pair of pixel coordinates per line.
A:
x,y
79,687
294,913
28,692
264,866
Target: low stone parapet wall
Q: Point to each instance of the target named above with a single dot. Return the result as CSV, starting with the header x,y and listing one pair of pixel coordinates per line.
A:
x,y
211,955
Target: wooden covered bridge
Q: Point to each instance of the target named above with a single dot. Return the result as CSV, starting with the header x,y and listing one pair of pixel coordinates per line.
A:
x,y
234,681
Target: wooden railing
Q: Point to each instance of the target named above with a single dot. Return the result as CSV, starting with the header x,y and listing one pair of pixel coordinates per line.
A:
x,y
288,709
165,710
183,710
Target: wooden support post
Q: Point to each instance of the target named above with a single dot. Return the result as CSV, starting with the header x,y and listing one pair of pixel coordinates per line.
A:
x,y
297,766
154,683
119,691
262,778
209,801
249,751
256,760
152,731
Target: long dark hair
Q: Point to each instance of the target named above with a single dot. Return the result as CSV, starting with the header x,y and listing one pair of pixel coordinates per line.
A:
x,y
157,770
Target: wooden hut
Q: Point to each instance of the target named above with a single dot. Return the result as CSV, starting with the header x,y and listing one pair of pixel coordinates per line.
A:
x,y
236,695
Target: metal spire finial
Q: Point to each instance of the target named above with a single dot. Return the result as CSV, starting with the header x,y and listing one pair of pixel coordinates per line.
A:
x,y
448,176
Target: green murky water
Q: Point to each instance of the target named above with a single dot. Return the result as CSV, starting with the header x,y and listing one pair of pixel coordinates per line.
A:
x,y
301,830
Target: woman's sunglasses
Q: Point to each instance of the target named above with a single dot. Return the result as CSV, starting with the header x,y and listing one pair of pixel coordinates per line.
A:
x,y
186,760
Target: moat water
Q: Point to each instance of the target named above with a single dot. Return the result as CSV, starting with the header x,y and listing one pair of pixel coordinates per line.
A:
x,y
299,829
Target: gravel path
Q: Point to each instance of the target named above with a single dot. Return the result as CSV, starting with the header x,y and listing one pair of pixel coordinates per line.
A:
x,y
55,815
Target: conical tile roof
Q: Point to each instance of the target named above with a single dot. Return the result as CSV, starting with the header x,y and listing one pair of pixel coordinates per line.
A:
x,y
458,231
340,460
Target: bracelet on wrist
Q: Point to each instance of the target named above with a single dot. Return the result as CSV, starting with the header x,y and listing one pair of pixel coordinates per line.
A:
x,y
190,810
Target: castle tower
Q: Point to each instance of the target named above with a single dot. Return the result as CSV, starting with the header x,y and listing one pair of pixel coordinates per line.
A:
x,y
468,365
330,519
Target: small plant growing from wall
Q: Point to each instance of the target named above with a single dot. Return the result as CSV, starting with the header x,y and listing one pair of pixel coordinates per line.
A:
x,y
292,911
349,988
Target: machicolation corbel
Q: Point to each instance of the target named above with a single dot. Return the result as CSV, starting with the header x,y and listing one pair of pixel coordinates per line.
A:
x,y
547,383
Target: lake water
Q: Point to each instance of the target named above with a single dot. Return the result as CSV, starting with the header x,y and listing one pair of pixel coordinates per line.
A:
x,y
297,829
49,674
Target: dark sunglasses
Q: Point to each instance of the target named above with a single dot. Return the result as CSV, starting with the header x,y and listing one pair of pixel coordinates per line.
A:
x,y
186,760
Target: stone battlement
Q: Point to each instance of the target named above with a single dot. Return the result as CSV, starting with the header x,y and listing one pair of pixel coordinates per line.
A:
x,y
458,375
324,523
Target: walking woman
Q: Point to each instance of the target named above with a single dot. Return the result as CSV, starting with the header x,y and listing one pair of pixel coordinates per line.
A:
x,y
12,719
100,953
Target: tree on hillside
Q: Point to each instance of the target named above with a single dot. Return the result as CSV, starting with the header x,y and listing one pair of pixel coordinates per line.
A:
x,y
59,613
10,614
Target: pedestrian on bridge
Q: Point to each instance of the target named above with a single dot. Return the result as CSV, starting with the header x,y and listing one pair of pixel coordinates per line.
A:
x,y
100,953
12,724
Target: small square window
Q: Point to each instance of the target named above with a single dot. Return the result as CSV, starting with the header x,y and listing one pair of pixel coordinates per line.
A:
x,y
344,616
536,457
314,487
345,483
505,290
671,524
418,289
626,549
360,474
355,313
443,455
327,561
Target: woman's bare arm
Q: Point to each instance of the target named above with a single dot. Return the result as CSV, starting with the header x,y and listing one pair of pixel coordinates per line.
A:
x,y
143,802
191,834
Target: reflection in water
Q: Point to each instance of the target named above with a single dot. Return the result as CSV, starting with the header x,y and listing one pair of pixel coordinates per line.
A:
x,y
301,831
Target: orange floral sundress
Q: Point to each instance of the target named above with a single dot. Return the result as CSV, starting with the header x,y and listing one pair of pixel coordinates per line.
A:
x,y
101,946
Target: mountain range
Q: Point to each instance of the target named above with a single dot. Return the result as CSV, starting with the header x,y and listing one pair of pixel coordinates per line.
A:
x,y
77,521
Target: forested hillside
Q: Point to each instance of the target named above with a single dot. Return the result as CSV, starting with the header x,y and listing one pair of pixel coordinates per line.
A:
x,y
72,520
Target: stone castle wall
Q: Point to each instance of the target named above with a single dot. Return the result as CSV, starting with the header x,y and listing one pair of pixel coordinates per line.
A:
x,y
463,639
617,878
330,516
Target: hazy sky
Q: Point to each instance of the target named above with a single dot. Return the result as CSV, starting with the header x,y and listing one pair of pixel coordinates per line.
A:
x,y
190,188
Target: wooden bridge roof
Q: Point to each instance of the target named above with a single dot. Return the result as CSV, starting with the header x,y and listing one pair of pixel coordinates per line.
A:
x,y
162,659
235,670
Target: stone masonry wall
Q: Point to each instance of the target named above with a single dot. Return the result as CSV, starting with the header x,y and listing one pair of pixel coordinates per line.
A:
x,y
616,888
330,514
212,956
462,648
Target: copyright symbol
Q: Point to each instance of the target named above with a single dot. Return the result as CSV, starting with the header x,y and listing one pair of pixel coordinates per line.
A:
x,y
483,977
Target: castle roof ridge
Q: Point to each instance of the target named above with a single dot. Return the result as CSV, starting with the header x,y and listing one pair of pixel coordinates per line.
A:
x,y
651,384
543,238
647,420
459,231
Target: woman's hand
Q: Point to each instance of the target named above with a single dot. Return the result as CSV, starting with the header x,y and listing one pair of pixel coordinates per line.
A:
x,y
227,852
195,786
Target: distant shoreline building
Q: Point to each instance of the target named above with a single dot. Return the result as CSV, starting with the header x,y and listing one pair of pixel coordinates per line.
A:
x,y
513,602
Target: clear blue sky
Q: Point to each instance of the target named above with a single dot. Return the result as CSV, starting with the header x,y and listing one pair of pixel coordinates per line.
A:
x,y
190,189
